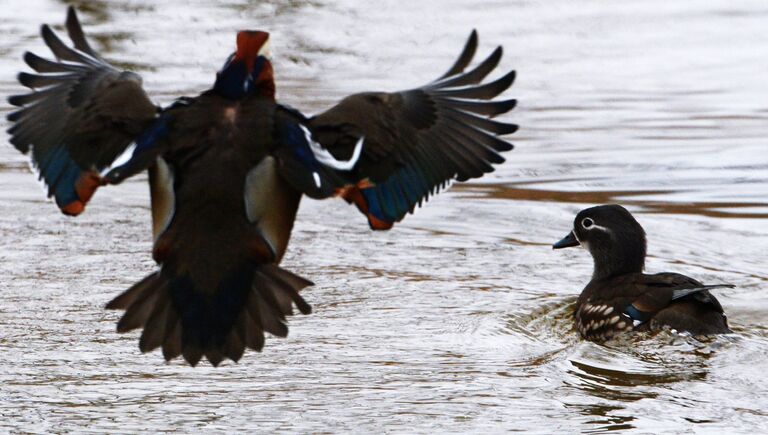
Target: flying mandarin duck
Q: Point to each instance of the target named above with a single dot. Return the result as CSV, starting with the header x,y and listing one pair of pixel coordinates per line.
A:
x,y
228,168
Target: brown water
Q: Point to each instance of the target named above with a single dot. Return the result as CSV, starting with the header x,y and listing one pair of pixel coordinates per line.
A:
x,y
458,320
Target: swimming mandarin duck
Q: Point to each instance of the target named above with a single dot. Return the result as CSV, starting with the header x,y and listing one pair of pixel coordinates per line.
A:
x,y
228,168
620,297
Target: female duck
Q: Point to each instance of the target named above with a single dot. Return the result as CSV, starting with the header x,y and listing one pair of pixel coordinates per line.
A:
x,y
620,297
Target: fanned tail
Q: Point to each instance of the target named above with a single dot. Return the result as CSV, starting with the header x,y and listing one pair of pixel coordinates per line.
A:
x,y
183,320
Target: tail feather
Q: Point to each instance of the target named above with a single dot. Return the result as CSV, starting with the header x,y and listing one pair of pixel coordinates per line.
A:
x,y
234,346
138,313
269,315
289,285
214,355
154,331
280,300
187,321
192,352
172,342
136,292
250,331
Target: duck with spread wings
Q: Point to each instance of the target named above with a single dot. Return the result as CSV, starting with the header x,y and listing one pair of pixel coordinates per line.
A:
x,y
228,168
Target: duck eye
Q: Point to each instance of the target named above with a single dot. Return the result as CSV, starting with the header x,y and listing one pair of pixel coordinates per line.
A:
x,y
587,223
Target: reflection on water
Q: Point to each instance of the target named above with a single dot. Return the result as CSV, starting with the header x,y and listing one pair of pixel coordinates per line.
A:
x,y
460,318
723,209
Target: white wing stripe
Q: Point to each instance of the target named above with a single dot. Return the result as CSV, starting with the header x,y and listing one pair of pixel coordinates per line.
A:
x,y
326,158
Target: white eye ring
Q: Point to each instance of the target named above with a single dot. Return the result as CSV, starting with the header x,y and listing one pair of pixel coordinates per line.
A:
x,y
587,223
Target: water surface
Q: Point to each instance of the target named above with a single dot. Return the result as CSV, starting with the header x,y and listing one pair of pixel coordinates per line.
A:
x,y
458,320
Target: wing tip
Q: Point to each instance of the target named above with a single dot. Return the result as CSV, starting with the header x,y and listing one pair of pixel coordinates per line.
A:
x,y
498,51
466,56
46,31
504,106
511,129
29,58
71,14
76,34
25,79
511,76
16,100
13,117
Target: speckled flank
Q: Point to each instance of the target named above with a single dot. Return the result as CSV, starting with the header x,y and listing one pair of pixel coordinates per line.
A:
x,y
594,322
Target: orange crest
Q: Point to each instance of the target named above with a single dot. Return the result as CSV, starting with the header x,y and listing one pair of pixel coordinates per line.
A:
x,y
251,44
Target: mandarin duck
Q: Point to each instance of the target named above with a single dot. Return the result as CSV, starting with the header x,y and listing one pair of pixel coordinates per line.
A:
x,y
620,297
227,169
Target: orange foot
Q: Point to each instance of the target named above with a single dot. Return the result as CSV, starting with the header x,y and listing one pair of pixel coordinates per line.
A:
x,y
352,195
378,224
85,186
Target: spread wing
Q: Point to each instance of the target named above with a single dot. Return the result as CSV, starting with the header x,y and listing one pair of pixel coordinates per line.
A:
x,y
81,115
394,150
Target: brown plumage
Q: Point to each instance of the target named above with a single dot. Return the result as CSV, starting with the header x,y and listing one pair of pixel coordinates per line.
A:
x,y
620,297
228,168
441,131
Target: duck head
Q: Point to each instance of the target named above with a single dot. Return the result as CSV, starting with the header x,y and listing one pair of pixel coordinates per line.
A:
x,y
612,236
248,70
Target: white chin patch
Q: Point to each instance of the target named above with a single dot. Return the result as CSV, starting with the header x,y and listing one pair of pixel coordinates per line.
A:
x,y
584,244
